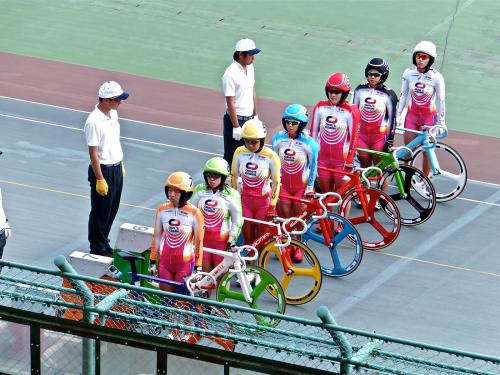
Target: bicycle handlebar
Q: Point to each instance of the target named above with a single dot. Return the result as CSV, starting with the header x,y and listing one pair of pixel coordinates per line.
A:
x,y
288,234
197,275
435,131
364,170
332,204
395,152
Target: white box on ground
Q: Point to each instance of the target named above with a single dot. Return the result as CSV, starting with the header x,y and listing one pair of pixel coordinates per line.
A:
x,y
90,264
133,237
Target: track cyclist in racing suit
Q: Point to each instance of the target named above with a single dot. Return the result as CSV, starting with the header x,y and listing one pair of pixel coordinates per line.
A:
x,y
221,208
377,107
335,126
298,153
422,93
255,172
178,232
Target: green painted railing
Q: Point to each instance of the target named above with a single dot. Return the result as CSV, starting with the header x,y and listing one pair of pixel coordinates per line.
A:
x,y
102,311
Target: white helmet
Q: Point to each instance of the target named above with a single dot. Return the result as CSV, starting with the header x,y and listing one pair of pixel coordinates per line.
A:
x,y
425,47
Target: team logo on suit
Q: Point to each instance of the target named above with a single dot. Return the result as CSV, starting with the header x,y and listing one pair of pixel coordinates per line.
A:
x,y
173,226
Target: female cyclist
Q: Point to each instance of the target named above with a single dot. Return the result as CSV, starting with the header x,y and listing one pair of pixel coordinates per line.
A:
x,y
377,106
178,232
335,125
221,208
422,93
298,153
255,172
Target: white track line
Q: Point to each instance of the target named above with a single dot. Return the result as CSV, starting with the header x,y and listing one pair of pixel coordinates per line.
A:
x,y
122,118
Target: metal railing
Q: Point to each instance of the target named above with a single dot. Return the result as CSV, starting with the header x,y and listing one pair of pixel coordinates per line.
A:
x,y
70,323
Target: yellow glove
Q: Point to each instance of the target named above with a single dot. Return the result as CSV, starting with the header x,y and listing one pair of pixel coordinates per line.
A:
x,y
101,186
124,172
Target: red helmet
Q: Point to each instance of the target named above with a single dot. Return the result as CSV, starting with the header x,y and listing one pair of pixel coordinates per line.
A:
x,y
339,81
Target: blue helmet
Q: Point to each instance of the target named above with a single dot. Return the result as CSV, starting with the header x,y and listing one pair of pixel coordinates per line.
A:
x,y
295,112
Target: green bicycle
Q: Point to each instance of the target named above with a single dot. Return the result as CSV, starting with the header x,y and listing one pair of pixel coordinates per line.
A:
x,y
409,187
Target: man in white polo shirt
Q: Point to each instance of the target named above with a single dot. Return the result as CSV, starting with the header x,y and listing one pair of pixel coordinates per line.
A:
x,y
238,83
105,173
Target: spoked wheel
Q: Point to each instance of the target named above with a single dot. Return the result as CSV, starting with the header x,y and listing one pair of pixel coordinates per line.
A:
x,y
301,282
203,317
266,293
417,201
450,180
381,226
344,251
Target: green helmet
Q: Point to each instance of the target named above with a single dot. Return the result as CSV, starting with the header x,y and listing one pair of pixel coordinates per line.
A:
x,y
217,165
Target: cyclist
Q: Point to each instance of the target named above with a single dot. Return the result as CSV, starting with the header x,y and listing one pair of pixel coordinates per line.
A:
x,y
221,208
377,106
178,232
255,172
422,93
298,153
335,125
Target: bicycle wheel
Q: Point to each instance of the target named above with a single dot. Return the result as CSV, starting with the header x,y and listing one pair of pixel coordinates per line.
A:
x,y
450,179
417,201
267,294
344,252
380,227
201,317
301,282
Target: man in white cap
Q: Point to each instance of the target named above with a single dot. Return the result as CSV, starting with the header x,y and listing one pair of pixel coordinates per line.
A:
x,y
105,173
238,83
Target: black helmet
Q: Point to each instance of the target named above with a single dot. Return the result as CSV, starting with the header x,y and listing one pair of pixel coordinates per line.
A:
x,y
380,66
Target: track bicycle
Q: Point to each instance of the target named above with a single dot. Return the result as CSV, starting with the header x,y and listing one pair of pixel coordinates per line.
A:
x,y
405,184
234,268
301,282
378,227
206,317
325,228
448,171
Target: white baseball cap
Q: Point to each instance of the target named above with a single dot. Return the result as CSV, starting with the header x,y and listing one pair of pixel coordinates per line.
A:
x,y
112,90
246,45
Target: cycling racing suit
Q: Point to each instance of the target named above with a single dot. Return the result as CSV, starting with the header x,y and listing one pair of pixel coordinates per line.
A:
x,y
177,231
336,130
377,108
222,216
423,94
252,174
299,162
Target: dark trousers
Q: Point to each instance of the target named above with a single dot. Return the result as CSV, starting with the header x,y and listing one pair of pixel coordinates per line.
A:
x,y
103,209
3,242
230,144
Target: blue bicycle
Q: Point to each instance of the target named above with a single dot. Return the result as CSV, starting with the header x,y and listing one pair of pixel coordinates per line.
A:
x,y
448,171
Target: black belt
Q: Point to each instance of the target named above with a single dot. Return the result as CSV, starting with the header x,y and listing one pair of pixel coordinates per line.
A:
x,y
111,165
242,118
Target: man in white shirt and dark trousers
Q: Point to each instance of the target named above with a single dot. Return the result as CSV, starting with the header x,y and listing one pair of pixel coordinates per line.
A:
x,y
106,171
238,83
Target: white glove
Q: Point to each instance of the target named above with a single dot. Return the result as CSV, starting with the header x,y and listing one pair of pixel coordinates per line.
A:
x,y
152,269
237,133
309,191
7,231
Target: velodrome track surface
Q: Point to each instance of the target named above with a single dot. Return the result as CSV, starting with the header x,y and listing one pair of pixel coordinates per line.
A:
x,y
438,283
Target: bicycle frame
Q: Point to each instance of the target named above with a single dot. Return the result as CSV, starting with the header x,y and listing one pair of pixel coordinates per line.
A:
x,y
311,209
234,259
279,228
388,159
428,141
355,182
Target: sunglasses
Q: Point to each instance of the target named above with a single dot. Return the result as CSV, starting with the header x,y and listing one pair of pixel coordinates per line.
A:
x,y
292,122
373,74
251,141
213,175
422,56
335,92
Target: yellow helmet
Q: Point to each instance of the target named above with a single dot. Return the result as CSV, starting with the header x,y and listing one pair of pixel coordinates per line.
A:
x,y
181,181
253,129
